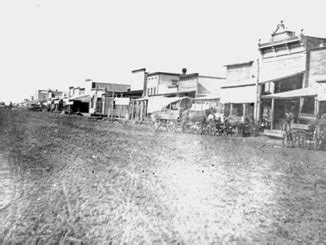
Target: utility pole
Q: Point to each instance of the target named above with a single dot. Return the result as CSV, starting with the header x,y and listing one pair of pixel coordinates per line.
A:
x,y
257,104
112,115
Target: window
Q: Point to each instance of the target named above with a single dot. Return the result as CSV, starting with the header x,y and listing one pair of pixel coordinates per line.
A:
x,y
308,105
237,110
148,91
154,90
151,90
268,52
93,84
295,45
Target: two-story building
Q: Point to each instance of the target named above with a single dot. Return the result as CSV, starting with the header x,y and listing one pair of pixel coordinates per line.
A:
x,y
78,100
40,96
239,92
284,66
55,99
161,83
205,91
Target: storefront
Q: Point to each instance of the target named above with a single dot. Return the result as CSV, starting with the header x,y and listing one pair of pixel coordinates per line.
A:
x,y
239,100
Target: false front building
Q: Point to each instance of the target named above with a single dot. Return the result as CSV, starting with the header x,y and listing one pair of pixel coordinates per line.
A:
x,y
239,92
283,66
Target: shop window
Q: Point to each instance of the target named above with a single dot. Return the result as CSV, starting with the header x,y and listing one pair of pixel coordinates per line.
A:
x,y
268,88
237,110
308,105
322,109
227,108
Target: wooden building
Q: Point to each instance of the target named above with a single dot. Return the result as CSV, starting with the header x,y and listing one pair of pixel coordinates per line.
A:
x,y
284,65
239,92
102,97
204,89
311,99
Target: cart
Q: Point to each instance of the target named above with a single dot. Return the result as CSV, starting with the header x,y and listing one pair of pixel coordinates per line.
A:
x,y
169,117
307,136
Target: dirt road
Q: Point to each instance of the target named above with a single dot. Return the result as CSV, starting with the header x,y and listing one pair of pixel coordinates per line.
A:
x,y
70,179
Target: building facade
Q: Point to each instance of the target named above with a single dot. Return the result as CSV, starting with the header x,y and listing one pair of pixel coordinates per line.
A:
x,y
284,65
239,92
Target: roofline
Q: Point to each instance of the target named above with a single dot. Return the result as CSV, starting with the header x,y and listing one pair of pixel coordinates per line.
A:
x,y
239,85
242,63
185,76
280,42
212,77
163,73
323,38
114,83
139,70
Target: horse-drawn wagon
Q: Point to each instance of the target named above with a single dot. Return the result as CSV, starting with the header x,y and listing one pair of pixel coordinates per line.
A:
x,y
308,136
166,112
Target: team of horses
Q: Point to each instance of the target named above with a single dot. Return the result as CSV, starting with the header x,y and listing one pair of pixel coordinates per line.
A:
x,y
207,121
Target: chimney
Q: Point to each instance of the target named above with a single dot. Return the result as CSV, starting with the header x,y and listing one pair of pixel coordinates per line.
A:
x,y
184,71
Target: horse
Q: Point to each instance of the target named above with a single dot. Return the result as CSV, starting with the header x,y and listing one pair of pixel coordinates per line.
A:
x,y
192,117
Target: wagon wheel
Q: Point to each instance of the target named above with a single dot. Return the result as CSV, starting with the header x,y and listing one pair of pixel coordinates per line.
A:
x,y
171,126
206,130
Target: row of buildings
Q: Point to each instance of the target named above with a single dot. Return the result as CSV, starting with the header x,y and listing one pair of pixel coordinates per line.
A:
x,y
289,74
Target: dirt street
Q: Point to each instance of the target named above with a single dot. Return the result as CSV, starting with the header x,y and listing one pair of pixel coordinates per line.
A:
x,y
71,179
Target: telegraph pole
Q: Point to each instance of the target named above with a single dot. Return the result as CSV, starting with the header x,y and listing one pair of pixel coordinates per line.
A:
x,y
112,115
257,109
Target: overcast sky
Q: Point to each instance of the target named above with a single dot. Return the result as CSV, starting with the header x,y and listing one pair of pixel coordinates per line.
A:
x,y
59,43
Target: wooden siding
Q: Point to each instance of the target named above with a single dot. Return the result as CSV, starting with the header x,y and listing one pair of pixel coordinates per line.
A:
x,y
189,84
277,67
239,74
165,81
209,86
317,66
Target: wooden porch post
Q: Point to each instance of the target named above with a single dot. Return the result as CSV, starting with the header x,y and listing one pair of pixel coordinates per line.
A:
x,y
316,112
131,110
145,108
244,111
272,113
231,109
141,110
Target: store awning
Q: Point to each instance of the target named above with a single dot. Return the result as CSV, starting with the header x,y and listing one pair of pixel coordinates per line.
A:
x,y
82,98
239,95
303,92
208,97
159,103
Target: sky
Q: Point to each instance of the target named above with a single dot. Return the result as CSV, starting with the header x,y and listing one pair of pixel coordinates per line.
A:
x,y
54,44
